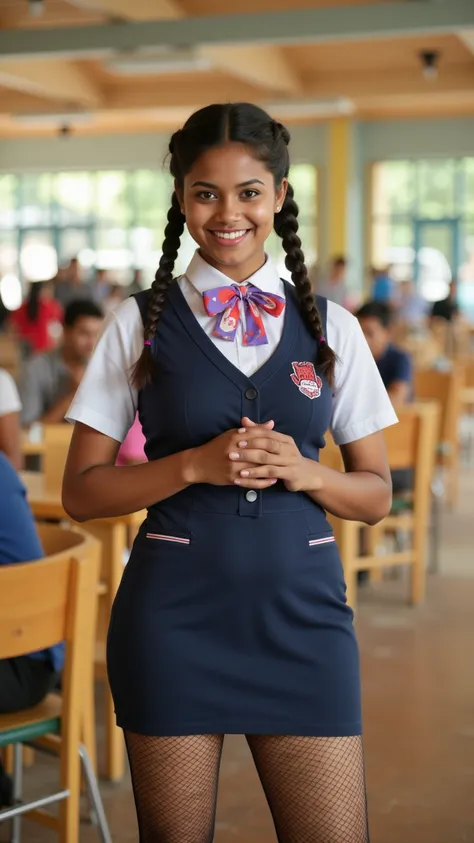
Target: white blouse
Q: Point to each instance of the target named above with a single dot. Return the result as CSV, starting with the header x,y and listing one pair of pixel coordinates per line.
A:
x,y
107,401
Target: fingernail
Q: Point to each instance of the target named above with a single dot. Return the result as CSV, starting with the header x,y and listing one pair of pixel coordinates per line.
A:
x,y
241,430
244,473
237,482
273,482
234,456
242,444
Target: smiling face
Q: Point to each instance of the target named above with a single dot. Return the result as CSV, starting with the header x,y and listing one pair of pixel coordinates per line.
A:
x,y
229,200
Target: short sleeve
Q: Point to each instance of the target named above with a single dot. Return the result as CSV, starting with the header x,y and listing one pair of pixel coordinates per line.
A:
x,y
361,405
106,399
9,397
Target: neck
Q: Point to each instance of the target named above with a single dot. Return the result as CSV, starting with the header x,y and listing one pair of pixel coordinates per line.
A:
x,y
238,273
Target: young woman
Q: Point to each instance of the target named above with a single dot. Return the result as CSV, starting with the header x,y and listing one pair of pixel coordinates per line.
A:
x,y
38,321
231,616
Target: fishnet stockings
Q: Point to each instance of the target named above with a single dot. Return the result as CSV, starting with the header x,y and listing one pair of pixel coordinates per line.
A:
x,y
314,786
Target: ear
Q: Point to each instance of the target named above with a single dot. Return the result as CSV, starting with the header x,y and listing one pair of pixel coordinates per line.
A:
x,y
280,194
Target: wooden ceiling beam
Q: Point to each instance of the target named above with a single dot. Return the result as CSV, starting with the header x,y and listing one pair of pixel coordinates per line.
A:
x,y
317,25
131,9
57,80
467,37
266,65
386,83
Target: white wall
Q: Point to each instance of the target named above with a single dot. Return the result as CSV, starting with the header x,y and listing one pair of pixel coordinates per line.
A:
x,y
125,151
417,138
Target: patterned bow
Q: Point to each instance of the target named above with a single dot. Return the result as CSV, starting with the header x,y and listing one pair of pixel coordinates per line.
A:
x,y
223,302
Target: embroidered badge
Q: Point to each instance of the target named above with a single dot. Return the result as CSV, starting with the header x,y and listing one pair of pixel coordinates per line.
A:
x,y
306,379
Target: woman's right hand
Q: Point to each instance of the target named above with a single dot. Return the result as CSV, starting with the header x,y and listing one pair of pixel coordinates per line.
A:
x,y
212,463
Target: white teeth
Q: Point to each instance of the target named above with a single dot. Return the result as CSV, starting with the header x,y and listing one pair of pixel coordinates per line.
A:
x,y
230,235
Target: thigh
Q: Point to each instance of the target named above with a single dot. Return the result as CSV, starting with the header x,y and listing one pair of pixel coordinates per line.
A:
x,y
24,682
315,787
175,786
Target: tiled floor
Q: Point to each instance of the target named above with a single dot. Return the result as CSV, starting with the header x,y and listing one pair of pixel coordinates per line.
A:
x,y
418,688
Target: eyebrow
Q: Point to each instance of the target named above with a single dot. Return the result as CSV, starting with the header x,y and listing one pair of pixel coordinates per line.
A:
x,y
215,187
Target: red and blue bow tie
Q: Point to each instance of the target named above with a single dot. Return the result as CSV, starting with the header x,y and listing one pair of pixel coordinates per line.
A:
x,y
223,302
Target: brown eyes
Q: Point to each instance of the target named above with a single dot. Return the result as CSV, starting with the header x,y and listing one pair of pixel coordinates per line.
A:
x,y
207,195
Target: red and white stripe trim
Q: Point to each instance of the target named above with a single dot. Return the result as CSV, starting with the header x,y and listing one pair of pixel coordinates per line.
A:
x,y
325,540
162,538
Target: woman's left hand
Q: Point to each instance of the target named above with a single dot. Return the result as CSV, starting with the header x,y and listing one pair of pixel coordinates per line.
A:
x,y
275,456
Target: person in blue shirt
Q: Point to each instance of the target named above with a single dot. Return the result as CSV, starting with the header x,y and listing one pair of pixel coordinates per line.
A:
x,y
382,285
25,680
395,367
393,363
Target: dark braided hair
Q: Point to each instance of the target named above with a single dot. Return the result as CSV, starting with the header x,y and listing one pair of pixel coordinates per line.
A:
x,y
145,366
268,141
286,226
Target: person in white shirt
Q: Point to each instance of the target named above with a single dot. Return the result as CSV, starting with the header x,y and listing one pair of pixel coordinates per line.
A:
x,y
231,615
10,429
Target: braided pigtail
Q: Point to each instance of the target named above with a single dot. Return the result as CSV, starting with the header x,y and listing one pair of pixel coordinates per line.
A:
x,y
286,227
146,364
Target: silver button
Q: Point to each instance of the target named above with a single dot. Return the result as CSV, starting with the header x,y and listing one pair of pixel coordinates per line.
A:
x,y
251,496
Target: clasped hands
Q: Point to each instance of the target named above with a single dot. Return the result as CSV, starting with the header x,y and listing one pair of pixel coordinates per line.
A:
x,y
254,457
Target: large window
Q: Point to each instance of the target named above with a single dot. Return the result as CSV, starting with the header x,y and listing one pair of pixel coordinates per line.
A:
x,y
110,219
423,223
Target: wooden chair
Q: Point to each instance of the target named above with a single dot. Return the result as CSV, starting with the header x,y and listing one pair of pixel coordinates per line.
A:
x,y
41,603
56,441
410,444
444,388
10,355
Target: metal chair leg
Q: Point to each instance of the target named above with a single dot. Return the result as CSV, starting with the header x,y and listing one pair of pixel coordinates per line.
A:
x,y
95,798
17,789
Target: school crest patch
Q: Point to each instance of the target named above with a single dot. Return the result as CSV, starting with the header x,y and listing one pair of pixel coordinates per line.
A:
x,y
306,379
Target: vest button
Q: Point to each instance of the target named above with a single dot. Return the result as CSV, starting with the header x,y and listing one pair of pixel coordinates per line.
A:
x,y
251,496
251,394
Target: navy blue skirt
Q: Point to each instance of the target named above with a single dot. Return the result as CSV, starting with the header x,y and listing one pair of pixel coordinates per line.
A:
x,y
235,625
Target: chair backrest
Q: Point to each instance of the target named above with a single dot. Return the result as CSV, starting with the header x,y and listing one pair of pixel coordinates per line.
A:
x,y
10,355
445,389
56,439
51,600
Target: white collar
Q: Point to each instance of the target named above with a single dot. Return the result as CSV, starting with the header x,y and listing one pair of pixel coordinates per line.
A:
x,y
204,277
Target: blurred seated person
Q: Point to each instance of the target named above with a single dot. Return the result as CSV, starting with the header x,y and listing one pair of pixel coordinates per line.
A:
x,y
38,322
132,448
447,308
10,406
116,295
69,285
137,285
101,286
394,364
382,285
50,380
24,680
333,285
412,307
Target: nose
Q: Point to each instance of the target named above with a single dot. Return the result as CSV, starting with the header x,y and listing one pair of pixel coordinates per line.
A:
x,y
228,210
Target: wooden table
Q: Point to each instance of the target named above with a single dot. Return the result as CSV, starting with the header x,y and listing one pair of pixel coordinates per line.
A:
x,y
112,533
31,448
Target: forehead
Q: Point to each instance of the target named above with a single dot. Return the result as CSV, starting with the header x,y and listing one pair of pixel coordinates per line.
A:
x,y
228,165
370,323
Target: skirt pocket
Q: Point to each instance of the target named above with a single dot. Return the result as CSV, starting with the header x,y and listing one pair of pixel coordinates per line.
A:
x,y
163,537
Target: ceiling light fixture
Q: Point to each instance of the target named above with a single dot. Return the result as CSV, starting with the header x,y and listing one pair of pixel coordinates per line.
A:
x,y
158,62
429,64
36,8
54,119
311,108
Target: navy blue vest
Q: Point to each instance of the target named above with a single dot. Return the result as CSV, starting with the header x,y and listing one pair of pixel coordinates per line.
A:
x,y
198,394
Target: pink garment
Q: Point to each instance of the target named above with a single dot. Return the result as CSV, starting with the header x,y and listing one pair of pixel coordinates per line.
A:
x,y
132,448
